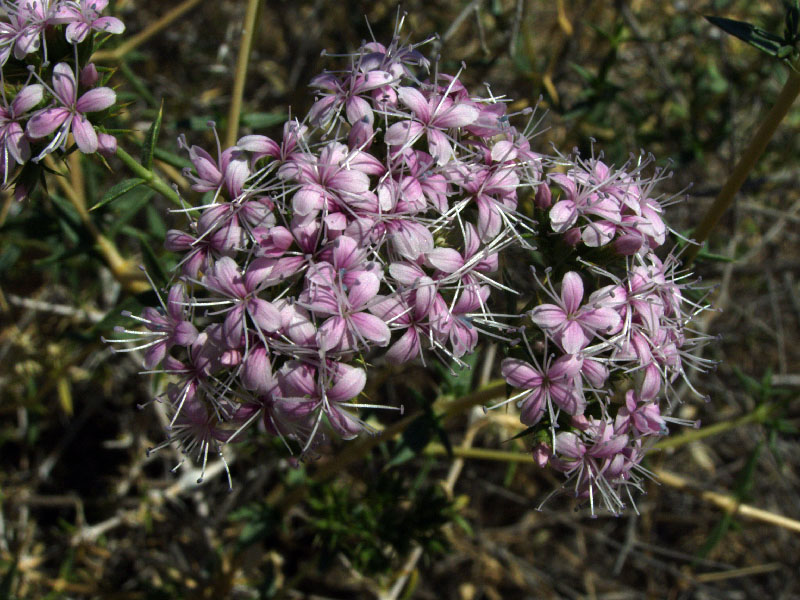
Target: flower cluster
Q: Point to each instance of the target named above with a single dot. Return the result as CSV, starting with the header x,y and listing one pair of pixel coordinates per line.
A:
x,y
373,230
47,90
602,364
373,226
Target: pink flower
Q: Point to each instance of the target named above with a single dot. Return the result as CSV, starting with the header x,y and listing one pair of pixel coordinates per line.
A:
x,y
556,383
571,325
344,295
83,16
226,280
16,148
70,115
431,116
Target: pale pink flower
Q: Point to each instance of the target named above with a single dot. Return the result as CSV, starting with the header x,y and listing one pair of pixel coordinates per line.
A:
x,y
70,115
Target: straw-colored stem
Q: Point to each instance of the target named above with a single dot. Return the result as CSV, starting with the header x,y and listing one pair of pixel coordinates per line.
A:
x,y
150,178
725,502
242,63
746,163
728,503
480,453
122,270
144,35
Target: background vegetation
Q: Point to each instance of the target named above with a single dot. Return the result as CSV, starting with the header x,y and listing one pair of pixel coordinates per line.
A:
x,y
86,514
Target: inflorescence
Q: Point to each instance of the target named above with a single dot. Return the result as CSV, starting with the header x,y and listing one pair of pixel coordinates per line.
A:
x,y
376,227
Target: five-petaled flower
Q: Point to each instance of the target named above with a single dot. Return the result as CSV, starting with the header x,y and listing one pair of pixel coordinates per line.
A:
x,y
70,114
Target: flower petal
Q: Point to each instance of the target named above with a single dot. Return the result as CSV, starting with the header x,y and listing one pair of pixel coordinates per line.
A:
x,y
46,121
371,328
84,134
27,98
64,83
571,291
520,374
349,381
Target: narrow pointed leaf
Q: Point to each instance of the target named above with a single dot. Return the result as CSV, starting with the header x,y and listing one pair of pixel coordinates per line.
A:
x,y
763,40
117,191
149,148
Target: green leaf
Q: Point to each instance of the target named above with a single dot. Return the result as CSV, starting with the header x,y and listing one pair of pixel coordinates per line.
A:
x,y
118,190
152,139
128,207
7,582
137,83
153,264
155,222
457,381
714,537
414,439
792,20
755,36
261,120
179,162
114,317
9,256
521,434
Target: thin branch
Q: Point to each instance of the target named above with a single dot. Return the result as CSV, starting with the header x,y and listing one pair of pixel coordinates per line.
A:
x,y
150,178
752,153
144,35
242,63
122,269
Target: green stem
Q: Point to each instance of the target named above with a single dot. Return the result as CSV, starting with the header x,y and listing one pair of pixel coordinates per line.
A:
x,y
480,453
150,178
242,62
754,150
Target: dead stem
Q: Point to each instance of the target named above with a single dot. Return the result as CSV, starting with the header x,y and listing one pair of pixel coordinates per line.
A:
x,y
242,63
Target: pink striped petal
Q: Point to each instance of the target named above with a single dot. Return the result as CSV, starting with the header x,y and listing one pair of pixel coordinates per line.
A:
x,y
532,407
571,292
520,374
233,327
600,319
343,422
406,273
84,134
349,381
372,80
363,289
414,100
439,146
46,121
264,315
226,279
563,215
404,133
371,328
358,109
108,24
573,339
64,83
256,373
27,98
548,316
331,334
447,260
307,200
352,181
459,115
405,349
